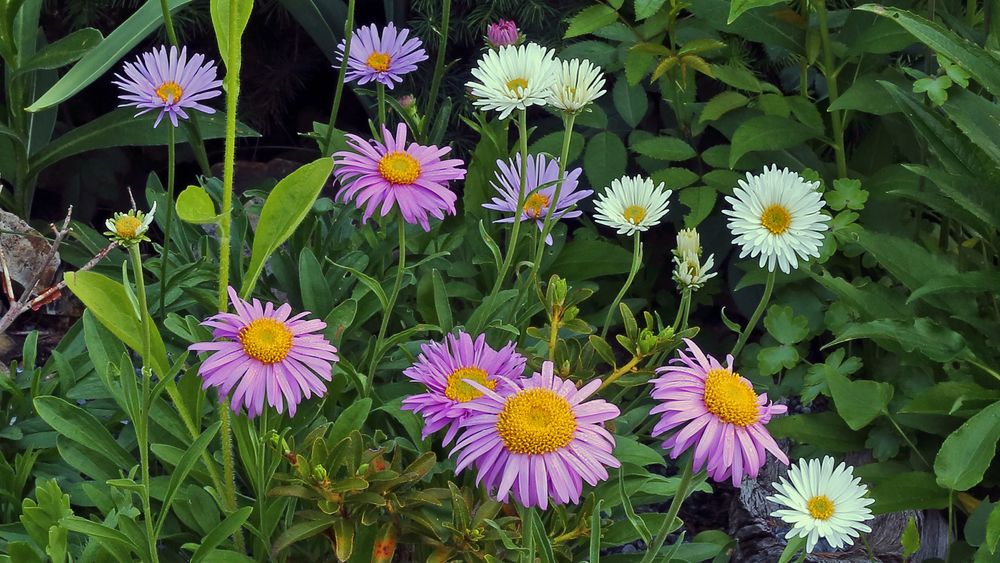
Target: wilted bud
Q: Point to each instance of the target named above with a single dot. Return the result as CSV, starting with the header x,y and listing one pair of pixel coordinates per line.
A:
x,y
407,101
130,228
502,33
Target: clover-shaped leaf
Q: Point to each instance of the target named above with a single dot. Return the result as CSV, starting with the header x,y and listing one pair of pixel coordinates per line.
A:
x,y
773,359
846,193
785,326
935,88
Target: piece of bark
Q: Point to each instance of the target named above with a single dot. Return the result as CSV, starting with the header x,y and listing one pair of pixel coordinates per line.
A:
x,y
25,250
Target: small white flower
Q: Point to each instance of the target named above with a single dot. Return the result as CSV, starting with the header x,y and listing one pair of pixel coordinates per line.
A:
x,y
688,241
130,228
776,215
579,83
632,205
513,78
690,273
823,502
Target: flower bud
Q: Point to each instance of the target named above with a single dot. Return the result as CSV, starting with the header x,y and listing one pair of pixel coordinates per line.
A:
x,y
502,33
688,241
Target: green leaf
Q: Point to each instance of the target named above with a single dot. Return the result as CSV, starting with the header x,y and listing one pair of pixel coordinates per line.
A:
x,y
630,450
351,419
979,63
921,335
722,104
98,60
646,8
576,261
630,101
184,466
910,540
773,359
286,207
194,205
935,88
792,548
637,523
603,349
590,20
664,148
106,299
826,430
64,51
993,529
595,533
605,159
441,306
971,282
966,453
369,282
339,320
767,133
542,544
99,531
552,144
858,402
978,118
220,532
220,21
867,95
700,201
737,7
81,427
785,326
915,490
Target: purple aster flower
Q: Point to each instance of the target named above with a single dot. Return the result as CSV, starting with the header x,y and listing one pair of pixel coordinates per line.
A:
x,y
541,172
264,353
715,410
169,82
538,439
502,33
383,58
444,367
390,174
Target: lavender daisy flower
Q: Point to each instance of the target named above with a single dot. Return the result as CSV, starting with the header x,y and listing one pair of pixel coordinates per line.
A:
x,y
383,58
264,353
389,174
169,82
539,439
540,172
444,367
715,410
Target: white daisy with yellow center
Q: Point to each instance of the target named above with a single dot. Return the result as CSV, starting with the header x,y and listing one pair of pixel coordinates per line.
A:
x,y
823,501
632,205
579,83
689,271
777,215
513,78
130,228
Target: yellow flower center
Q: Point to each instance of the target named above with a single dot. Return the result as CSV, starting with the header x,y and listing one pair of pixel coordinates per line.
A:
x,y
820,507
776,218
399,168
536,421
170,92
635,214
516,84
266,340
730,398
534,204
127,226
459,390
378,61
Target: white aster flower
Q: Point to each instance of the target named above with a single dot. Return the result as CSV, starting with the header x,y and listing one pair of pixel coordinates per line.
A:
x,y
776,215
690,273
130,228
632,205
513,78
577,85
823,502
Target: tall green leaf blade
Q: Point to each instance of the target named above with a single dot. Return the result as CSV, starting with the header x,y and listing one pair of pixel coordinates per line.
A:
x,y
966,453
99,59
64,51
737,7
184,466
220,21
323,21
220,532
81,427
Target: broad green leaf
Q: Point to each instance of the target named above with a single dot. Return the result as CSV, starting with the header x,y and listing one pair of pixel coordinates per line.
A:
x,y
858,402
993,529
300,531
630,450
978,118
773,359
194,205
63,51
767,133
922,335
701,201
100,532
317,296
646,8
966,453
442,307
984,67
98,60
721,104
825,430
351,419
590,20
220,21
220,532
664,148
81,427
286,207
106,299
910,539
774,27
339,320
630,101
784,325
605,159
737,7
965,282
576,261
907,491
552,144
866,95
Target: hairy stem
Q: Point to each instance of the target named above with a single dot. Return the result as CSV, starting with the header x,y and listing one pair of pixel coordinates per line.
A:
x,y
745,334
636,263
339,92
668,522
171,165
439,62
391,305
830,72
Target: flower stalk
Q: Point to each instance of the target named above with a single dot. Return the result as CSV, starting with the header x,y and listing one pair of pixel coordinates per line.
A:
x,y
522,128
341,73
387,314
636,263
171,171
755,318
668,523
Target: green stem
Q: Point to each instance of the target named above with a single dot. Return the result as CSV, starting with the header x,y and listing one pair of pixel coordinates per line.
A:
x,y
389,308
439,62
681,309
527,534
171,165
636,262
168,23
568,120
768,288
907,440
829,71
620,372
339,92
380,90
668,522
142,425
522,127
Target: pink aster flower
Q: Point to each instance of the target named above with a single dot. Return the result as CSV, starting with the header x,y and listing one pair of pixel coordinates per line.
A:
x,y
718,412
384,57
444,367
540,186
264,353
169,82
502,33
538,439
389,174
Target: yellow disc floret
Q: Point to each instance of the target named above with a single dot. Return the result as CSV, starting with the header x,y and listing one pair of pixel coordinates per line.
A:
x,y
776,218
535,203
536,421
266,340
820,507
731,398
399,168
379,61
634,214
458,390
516,85
170,92
127,226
